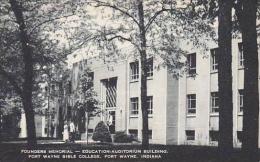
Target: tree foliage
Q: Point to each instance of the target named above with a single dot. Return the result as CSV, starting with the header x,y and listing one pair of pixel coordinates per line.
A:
x,y
27,30
101,133
146,29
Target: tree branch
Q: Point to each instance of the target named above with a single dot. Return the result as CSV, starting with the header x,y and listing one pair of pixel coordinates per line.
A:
x,y
151,20
50,20
103,4
120,37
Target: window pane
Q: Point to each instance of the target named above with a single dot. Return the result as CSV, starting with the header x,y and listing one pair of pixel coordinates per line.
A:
x,y
192,63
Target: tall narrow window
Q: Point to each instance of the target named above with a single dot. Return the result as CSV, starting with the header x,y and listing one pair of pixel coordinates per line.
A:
x,y
192,63
241,54
134,106
214,102
150,67
191,103
214,59
241,99
150,134
134,71
150,104
111,88
239,136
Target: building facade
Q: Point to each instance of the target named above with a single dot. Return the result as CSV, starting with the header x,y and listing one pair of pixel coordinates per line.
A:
x,y
181,110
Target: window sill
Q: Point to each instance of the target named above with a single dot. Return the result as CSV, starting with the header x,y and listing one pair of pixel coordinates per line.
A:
x,y
214,72
192,75
133,116
150,78
214,114
241,67
240,113
133,81
191,115
190,142
150,115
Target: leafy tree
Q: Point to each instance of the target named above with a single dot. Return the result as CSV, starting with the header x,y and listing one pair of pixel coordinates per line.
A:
x,y
148,28
87,105
27,43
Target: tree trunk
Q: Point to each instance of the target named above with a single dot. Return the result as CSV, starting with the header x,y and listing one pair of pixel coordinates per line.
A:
x,y
251,91
27,53
145,137
225,80
87,125
30,124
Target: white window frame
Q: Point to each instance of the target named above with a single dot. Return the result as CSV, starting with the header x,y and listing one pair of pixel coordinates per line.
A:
x,y
190,108
214,60
134,71
192,59
241,58
150,68
214,97
241,100
150,105
134,106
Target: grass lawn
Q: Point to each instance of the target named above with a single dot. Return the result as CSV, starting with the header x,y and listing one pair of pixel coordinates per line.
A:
x,y
11,152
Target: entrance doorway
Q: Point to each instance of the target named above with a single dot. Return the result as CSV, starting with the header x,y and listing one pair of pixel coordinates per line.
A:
x,y
112,121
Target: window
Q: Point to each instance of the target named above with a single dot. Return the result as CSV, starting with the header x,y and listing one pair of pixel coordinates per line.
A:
x,y
214,59
134,71
150,104
190,135
111,88
150,68
134,106
213,135
239,136
90,130
241,99
191,103
214,102
192,63
150,134
112,121
241,54
133,132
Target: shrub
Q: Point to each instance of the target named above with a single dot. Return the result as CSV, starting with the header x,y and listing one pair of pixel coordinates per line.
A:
x,y
101,133
122,137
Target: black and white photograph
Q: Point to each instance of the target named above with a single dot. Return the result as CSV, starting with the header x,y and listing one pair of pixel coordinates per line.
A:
x,y
129,80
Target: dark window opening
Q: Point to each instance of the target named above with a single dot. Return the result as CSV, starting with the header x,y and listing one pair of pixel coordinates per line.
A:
x,y
214,135
190,135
